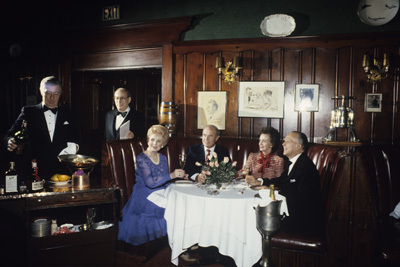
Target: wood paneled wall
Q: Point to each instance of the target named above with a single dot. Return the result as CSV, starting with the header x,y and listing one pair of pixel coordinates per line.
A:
x,y
333,62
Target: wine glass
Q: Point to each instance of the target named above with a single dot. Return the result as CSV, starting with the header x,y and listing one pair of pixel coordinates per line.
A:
x,y
182,160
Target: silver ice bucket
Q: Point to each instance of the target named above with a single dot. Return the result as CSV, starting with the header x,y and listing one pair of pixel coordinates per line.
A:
x,y
268,221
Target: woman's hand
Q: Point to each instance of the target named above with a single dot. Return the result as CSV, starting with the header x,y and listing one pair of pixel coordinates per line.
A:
x,y
251,180
178,173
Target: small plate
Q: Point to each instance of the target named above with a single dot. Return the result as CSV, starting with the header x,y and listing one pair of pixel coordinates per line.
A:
x,y
62,183
278,25
184,182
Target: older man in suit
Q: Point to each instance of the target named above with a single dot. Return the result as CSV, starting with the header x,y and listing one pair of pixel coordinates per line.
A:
x,y
199,152
121,115
300,184
50,129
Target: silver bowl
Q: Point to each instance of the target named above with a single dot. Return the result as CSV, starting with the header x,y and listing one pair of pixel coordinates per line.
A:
x,y
78,161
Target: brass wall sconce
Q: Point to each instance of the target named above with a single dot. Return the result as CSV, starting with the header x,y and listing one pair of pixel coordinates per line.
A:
x,y
230,72
376,71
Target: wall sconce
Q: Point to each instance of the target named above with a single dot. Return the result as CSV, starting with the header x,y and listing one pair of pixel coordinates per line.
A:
x,y
231,70
378,70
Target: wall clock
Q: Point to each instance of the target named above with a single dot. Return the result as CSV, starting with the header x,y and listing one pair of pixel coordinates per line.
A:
x,y
377,12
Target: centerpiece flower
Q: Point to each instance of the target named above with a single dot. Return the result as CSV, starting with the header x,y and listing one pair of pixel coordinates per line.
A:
x,y
218,172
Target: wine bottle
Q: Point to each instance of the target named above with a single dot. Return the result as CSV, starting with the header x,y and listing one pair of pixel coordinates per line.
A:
x,y
21,138
11,179
272,192
37,183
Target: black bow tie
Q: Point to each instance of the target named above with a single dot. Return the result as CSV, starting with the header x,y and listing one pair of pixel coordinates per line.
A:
x,y
123,114
54,110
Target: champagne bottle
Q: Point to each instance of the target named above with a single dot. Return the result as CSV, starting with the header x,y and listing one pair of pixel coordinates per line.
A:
x,y
37,183
11,179
272,192
21,138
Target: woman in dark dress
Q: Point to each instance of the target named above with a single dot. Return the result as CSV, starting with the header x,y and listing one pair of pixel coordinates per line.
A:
x,y
142,220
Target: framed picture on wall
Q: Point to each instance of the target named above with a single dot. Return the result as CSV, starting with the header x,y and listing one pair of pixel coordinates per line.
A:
x,y
261,99
373,102
306,97
211,109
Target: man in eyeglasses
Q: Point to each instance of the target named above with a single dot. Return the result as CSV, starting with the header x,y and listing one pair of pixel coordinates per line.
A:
x,y
117,120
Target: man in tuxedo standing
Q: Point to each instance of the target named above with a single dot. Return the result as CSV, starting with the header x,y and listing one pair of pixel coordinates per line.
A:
x,y
300,184
199,152
50,129
121,115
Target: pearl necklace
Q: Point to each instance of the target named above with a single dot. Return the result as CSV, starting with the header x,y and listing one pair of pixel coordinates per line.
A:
x,y
156,161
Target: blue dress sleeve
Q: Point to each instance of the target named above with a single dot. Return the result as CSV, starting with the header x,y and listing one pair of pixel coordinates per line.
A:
x,y
153,174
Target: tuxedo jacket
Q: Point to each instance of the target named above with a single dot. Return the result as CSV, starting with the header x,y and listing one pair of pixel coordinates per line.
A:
x,y
196,153
137,124
303,195
40,146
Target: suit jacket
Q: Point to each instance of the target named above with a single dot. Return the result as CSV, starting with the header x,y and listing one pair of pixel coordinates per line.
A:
x,y
196,154
303,195
137,124
40,146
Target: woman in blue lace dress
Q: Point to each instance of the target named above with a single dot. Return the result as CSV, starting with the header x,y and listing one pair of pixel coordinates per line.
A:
x,y
142,220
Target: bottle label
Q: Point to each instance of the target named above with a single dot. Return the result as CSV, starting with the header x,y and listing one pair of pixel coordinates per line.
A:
x,y
11,183
37,185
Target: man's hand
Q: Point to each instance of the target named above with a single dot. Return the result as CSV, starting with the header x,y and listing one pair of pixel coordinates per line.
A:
x,y
11,145
251,180
129,135
201,178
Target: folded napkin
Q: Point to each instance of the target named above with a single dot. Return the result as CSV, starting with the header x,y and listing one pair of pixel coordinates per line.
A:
x,y
158,198
71,149
265,200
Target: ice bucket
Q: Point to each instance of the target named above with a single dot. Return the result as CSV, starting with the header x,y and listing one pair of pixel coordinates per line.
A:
x,y
268,220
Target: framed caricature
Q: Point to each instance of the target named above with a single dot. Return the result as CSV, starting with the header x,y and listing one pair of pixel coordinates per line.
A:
x,y
211,109
261,99
307,97
373,102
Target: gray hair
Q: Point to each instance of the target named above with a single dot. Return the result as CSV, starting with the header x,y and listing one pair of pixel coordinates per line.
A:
x,y
50,80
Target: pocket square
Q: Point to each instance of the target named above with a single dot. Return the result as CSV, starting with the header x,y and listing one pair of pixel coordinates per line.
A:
x,y
292,180
66,122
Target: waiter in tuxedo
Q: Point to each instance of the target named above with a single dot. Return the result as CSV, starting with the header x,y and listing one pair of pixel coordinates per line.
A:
x,y
199,152
50,129
300,184
121,115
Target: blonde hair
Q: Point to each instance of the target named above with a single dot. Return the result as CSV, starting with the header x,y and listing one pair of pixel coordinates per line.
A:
x,y
161,130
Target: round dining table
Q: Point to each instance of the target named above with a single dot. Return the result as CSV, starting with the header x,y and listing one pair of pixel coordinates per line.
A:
x,y
226,219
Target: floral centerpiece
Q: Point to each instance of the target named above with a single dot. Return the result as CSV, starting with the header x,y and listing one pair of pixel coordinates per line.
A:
x,y
218,172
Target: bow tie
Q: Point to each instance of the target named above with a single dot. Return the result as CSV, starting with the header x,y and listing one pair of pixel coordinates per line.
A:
x,y
123,114
54,110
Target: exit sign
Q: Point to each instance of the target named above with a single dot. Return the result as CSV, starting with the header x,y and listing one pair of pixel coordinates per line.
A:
x,y
110,13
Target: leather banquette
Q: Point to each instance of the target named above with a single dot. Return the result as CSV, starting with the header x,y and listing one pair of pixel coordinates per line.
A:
x,y
384,169
119,163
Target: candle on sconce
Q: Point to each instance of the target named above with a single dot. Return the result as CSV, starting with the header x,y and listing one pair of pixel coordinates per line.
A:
x,y
365,62
385,60
218,62
236,62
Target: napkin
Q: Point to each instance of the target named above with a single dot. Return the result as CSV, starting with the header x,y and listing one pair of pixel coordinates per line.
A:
x,y
265,200
158,198
71,148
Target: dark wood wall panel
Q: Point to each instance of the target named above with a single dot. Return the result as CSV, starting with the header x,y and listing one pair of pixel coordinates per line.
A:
x,y
334,64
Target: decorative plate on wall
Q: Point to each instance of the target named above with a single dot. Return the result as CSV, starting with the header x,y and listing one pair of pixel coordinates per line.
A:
x,y
377,12
278,25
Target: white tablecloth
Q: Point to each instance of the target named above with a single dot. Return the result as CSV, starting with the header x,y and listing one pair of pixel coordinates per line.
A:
x,y
226,220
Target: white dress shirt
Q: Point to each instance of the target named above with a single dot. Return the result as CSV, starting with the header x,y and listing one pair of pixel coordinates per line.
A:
x,y
51,122
119,119
193,177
